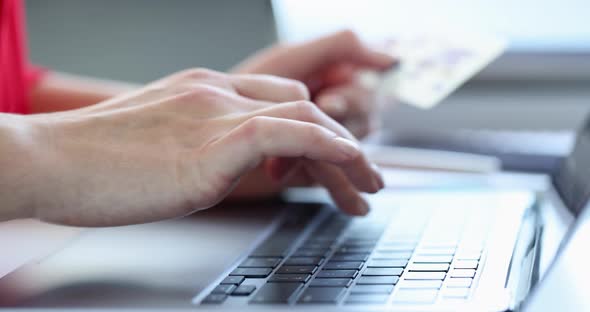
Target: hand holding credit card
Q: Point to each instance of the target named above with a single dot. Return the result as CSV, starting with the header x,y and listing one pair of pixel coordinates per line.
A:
x,y
433,66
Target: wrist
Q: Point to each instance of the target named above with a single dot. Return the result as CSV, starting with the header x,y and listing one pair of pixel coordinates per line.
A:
x,y
19,167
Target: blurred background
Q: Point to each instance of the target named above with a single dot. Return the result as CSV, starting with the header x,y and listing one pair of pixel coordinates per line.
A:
x,y
542,83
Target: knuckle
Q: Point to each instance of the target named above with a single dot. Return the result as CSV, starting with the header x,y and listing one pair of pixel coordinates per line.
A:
x,y
315,134
299,89
201,92
306,110
348,35
254,127
199,73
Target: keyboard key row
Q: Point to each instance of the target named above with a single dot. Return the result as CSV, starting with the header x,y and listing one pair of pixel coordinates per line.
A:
x,y
344,265
251,272
372,289
387,263
289,278
260,263
377,280
382,271
276,293
322,295
429,267
297,269
304,261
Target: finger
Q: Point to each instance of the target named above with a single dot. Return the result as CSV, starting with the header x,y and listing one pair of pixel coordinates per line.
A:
x,y
300,110
344,46
245,146
344,194
334,105
352,105
350,101
358,169
280,169
269,88
258,87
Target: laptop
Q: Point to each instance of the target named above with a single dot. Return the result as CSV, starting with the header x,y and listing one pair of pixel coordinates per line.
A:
x,y
464,247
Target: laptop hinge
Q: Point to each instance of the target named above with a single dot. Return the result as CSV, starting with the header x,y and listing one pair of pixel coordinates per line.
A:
x,y
523,272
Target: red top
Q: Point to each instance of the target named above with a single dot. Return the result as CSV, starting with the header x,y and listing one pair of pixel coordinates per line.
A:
x,y
17,76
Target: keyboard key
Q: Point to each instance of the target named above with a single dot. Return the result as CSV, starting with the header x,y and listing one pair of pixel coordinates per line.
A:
x,y
392,255
331,282
337,273
466,264
252,272
297,269
214,299
244,290
395,249
348,265
311,252
357,241
317,245
440,245
322,295
289,278
425,275
456,292
387,263
304,261
224,289
377,280
463,273
436,252
279,243
415,296
408,245
429,267
434,284
354,250
351,257
372,289
468,255
362,244
382,271
260,263
235,280
459,282
276,293
366,299
433,259
322,239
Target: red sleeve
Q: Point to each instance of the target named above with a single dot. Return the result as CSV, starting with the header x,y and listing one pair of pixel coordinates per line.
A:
x,y
33,76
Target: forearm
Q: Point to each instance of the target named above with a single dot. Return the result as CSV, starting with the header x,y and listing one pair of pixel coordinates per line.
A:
x,y
59,92
17,167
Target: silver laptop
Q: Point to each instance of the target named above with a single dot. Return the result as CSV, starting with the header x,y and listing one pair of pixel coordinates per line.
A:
x,y
468,247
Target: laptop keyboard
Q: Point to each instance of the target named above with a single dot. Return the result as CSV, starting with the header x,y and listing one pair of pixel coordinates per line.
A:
x,y
427,256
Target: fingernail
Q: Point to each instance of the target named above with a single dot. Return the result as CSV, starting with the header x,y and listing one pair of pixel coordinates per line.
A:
x,y
334,105
347,147
378,176
363,206
394,64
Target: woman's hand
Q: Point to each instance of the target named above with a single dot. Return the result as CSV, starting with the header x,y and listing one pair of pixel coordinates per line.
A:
x,y
179,145
328,66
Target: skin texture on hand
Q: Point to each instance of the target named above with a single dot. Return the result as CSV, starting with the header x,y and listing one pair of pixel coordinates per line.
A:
x,y
328,66
181,144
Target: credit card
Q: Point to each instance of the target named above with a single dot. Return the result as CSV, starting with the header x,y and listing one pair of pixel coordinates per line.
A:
x,y
433,66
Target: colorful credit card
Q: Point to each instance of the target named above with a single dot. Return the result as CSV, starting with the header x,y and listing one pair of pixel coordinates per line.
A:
x,y
433,66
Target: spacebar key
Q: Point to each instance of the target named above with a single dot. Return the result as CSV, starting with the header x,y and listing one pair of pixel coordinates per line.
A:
x,y
276,293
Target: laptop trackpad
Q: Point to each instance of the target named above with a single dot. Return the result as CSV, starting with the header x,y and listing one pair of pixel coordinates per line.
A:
x,y
161,264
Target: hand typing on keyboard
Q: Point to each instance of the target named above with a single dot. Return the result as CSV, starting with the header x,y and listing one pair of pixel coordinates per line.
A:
x,y
181,144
